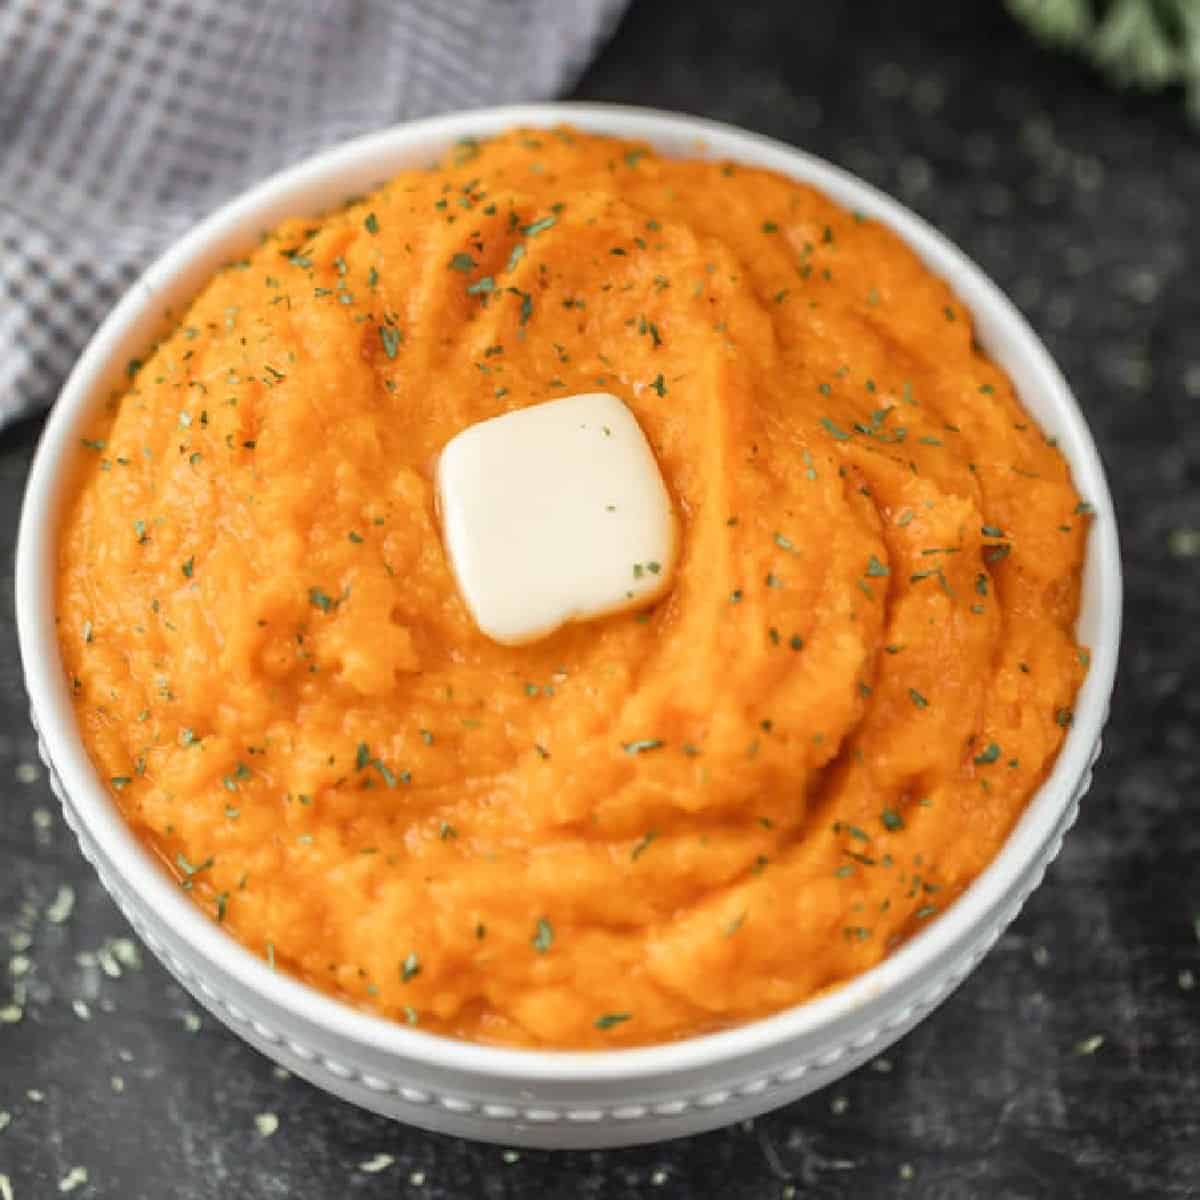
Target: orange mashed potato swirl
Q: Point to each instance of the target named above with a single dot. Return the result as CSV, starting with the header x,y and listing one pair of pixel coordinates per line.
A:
x,y
635,830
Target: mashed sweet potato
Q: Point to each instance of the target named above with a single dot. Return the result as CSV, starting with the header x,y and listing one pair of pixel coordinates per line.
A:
x,y
638,829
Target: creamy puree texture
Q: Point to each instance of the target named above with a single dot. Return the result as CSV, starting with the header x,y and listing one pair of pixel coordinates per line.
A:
x,y
647,827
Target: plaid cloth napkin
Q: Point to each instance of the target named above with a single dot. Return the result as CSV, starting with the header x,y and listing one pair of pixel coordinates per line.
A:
x,y
123,121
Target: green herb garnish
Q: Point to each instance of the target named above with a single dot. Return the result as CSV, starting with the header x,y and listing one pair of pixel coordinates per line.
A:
x,y
989,755
608,1020
543,937
322,600
240,774
643,844
391,339
190,870
838,435
640,747
648,327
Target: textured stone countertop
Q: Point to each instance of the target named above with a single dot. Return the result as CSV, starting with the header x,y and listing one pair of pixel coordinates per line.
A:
x,y
1068,1065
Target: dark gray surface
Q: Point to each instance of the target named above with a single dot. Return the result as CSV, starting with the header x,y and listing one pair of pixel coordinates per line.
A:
x,y
1083,205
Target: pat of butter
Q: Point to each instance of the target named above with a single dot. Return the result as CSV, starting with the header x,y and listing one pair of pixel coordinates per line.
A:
x,y
555,513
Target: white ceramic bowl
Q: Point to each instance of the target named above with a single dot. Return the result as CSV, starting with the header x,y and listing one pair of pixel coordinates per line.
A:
x,y
522,1097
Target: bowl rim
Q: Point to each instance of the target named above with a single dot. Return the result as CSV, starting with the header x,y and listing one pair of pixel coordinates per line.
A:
x,y
138,869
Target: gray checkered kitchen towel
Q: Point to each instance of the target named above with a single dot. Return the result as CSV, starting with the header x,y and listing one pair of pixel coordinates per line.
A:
x,y
123,121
